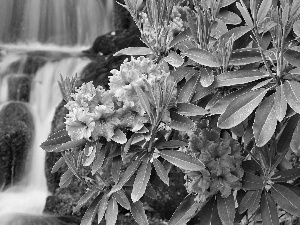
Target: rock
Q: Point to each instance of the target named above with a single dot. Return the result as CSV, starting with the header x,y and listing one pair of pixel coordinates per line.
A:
x,y
28,65
19,87
16,131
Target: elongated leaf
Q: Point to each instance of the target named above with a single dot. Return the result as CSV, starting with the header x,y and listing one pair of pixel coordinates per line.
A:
x,y
250,202
265,121
239,77
236,32
60,163
100,156
280,103
144,102
90,157
126,176
188,89
224,3
91,212
141,180
292,93
202,57
182,72
292,57
181,123
84,199
102,207
134,51
182,160
111,212
263,10
252,182
268,210
226,209
286,199
186,208
66,179
182,36
229,17
201,92
122,199
116,168
207,212
295,142
171,144
206,77
261,84
286,175
174,59
286,136
240,108
220,105
138,213
245,13
119,137
296,27
51,147
161,171
245,56
150,192
71,165
188,109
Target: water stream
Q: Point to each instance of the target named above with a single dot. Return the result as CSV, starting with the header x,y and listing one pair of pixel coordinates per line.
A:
x,y
48,26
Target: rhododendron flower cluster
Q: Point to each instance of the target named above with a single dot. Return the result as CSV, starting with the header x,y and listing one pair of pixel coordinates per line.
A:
x,y
95,112
222,159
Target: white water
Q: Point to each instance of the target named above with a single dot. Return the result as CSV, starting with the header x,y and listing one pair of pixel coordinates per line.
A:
x,y
29,195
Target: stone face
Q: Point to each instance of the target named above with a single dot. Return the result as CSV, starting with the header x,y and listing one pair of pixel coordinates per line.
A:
x,y
16,131
19,87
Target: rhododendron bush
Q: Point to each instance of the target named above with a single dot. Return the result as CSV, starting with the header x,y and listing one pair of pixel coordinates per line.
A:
x,y
221,107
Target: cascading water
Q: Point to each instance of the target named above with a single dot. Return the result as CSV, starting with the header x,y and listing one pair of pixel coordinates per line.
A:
x,y
23,23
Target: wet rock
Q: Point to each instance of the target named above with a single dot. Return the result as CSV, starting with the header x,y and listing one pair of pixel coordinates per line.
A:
x,y
19,87
28,65
16,131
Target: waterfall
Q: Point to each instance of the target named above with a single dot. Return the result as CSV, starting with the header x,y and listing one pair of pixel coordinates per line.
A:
x,y
57,31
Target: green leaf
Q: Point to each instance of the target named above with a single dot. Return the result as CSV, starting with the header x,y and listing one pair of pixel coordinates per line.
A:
x,y
91,212
236,32
201,92
186,208
286,199
208,212
295,142
71,165
263,10
84,199
188,89
122,199
224,3
181,123
60,141
280,103
244,11
252,182
171,144
116,168
144,102
292,93
206,77
138,213
182,36
88,159
250,202
268,210
134,51
119,137
202,57
66,179
220,105
174,59
182,160
188,109
265,121
127,174
292,57
240,108
296,27
60,163
111,212
141,180
102,207
245,56
226,209
100,156
239,77
161,171
286,135
182,72
229,17
286,175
